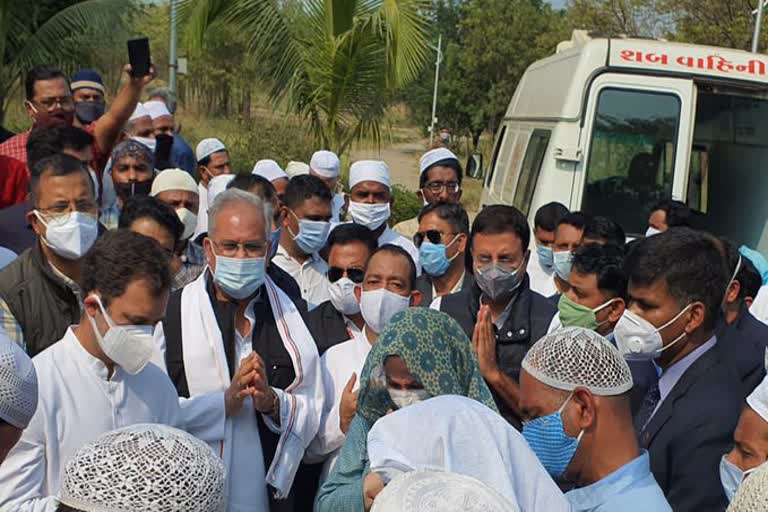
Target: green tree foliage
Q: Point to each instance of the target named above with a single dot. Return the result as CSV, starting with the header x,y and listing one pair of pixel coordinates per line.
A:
x,y
727,23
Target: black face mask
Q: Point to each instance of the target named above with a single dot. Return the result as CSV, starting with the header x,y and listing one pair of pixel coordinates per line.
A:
x,y
89,111
133,188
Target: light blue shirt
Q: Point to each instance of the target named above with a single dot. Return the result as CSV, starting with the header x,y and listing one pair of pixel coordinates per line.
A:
x,y
631,488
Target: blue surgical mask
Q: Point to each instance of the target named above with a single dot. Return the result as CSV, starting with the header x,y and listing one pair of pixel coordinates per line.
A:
x,y
239,277
731,477
275,241
546,257
433,258
312,234
547,438
563,262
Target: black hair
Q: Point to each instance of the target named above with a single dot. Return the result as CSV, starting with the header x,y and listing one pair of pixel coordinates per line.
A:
x,y
678,214
579,220
351,232
499,218
549,215
396,250
206,160
607,263
254,184
747,276
57,164
39,73
690,263
121,257
446,162
64,508
605,231
304,187
43,142
148,207
453,214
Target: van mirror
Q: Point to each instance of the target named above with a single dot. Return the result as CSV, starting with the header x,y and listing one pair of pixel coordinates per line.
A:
x,y
475,166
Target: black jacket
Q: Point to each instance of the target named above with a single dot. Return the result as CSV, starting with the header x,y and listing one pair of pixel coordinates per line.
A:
x,y
743,345
327,326
424,285
15,232
691,430
528,321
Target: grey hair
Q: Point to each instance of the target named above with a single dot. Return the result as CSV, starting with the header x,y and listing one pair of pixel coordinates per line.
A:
x,y
166,95
234,196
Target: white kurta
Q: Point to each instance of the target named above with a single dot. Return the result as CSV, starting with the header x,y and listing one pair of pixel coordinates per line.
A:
x,y
759,308
202,211
336,206
77,403
311,276
337,366
394,238
541,280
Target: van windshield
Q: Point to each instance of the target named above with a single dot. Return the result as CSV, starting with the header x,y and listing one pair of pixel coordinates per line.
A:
x,y
728,181
631,157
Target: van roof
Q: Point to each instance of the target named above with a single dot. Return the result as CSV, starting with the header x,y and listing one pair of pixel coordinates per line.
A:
x,y
553,88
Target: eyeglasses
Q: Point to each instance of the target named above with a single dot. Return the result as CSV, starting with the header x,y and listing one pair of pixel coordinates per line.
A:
x,y
452,187
49,104
64,208
434,236
355,275
229,248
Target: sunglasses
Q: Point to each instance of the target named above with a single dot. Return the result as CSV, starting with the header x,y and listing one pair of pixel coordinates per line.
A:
x,y
355,275
432,235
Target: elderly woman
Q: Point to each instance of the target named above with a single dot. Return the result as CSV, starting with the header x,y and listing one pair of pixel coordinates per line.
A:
x,y
421,353
131,173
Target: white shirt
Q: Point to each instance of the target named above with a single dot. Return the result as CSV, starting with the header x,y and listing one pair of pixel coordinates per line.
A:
x,y
310,276
77,403
392,237
759,307
541,280
337,205
202,211
337,366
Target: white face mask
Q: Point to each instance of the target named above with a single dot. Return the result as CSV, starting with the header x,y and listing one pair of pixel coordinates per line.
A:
x,y
128,346
371,216
638,339
342,294
379,306
150,143
651,231
71,235
405,397
189,220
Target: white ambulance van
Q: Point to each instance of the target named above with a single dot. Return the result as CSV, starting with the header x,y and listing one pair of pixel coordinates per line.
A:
x,y
612,126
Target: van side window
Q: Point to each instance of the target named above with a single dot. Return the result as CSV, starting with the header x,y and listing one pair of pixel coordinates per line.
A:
x,y
529,175
632,155
495,158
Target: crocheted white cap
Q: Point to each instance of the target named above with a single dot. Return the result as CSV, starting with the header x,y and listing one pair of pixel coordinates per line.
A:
x,y
218,185
269,170
207,147
369,170
758,399
139,111
157,109
424,491
144,468
296,169
752,495
325,163
433,156
18,384
577,357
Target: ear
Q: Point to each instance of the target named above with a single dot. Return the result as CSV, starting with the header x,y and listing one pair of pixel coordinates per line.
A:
x,y
748,301
461,242
416,298
210,257
31,111
419,194
33,221
458,194
583,411
91,306
732,292
616,309
696,315
286,217
358,291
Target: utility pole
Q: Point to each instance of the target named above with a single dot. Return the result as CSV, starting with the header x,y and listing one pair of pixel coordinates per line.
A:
x,y
172,62
758,25
433,121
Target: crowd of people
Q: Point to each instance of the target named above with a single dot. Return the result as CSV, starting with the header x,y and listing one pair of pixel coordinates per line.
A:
x,y
177,334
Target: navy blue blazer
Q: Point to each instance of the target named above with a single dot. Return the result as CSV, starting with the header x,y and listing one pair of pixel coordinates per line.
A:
x,y
742,344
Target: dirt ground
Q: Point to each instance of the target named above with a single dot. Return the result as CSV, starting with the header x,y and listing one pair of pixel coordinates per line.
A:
x,y
402,158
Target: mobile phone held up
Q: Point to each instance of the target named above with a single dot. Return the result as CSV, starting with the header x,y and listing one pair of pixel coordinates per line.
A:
x,y
138,57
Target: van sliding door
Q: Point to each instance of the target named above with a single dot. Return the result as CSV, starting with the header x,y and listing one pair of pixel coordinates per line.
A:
x,y
637,137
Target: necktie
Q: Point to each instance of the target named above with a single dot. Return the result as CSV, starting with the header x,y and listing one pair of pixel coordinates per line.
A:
x,y
651,399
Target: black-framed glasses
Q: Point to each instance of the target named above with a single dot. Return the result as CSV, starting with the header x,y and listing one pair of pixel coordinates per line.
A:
x,y
452,187
49,104
432,235
355,275
228,248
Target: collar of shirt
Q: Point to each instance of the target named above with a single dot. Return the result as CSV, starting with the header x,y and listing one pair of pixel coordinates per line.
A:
x,y
456,288
626,477
250,316
312,261
671,375
504,316
82,357
72,285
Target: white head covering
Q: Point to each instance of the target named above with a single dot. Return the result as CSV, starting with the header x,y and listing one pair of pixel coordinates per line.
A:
x,y
168,471
426,491
157,109
325,164
18,384
139,111
269,169
218,185
433,156
576,357
173,179
758,399
207,147
752,494
296,169
369,170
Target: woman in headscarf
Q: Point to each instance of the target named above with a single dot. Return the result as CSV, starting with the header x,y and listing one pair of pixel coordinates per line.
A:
x,y
421,353
131,172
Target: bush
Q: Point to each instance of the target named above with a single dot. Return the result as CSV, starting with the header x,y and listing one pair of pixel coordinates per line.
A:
x,y
407,204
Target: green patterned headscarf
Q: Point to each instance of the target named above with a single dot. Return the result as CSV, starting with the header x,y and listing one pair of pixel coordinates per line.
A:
x,y
437,353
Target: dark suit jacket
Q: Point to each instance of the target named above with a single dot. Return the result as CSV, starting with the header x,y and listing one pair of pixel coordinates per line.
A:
x,y
327,326
691,430
742,344
424,285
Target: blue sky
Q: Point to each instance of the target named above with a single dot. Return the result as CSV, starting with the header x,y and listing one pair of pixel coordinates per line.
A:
x,y
557,3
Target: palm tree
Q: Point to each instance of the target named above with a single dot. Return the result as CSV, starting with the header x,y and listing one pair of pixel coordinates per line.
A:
x,y
336,63
57,32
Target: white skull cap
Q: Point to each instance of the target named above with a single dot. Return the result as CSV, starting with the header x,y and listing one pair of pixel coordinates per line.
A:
x,y
18,384
207,147
296,169
269,170
369,170
218,185
424,491
758,399
576,357
157,109
139,111
325,164
173,179
433,156
752,494
144,468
